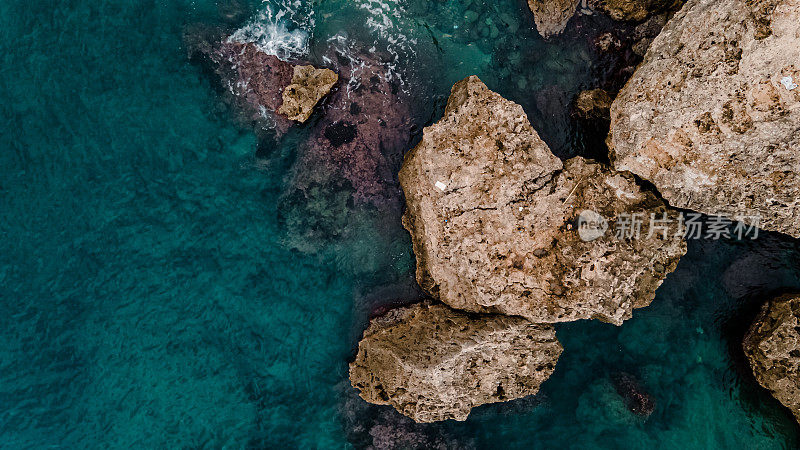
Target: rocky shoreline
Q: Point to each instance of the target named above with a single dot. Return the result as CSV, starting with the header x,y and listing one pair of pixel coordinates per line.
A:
x,y
508,238
487,201
494,218
491,211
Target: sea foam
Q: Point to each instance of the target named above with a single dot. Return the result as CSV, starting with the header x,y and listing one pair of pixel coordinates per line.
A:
x,y
282,28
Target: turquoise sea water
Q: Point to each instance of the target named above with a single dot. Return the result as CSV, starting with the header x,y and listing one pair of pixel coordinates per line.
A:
x,y
151,297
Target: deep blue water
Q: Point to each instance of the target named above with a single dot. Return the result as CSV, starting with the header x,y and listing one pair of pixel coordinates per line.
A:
x,y
150,297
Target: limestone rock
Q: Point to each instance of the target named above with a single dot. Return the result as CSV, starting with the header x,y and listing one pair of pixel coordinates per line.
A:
x,y
493,217
711,116
551,16
434,363
308,86
773,348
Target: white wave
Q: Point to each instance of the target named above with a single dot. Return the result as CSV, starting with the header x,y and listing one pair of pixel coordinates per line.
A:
x,y
390,22
345,47
281,28
284,28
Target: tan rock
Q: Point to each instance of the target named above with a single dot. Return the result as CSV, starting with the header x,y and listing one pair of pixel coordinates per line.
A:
x,y
493,216
308,86
711,116
773,348
434,363
551,16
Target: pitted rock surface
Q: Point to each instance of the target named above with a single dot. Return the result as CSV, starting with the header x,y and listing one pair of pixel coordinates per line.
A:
x,y
712,117
433,363
494,216
773,348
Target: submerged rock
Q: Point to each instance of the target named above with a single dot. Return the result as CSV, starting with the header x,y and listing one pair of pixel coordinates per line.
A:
x,y
712,117
773,348
364,129
636,399
253,78
348,165
308,86
352,152
494,219
593,104
434,363
551,16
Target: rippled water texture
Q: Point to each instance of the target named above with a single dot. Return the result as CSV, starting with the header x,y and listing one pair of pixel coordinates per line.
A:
x,y
161,287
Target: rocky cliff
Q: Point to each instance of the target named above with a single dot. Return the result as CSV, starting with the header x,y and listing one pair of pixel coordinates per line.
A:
x,y
494,218
712,115
433,363
773,348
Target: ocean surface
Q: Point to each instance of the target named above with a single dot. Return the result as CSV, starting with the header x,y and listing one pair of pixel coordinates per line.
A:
x,y
153,293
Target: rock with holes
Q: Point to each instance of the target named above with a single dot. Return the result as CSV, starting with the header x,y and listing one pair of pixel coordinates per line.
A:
x,y
499,224
708,117
773,348
433,363
308,86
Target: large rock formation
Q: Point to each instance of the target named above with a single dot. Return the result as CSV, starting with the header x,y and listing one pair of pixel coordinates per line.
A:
x,y
773,347
712,116
433,363
494,220
551,16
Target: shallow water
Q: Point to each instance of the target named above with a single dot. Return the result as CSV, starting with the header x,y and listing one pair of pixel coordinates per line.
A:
x,y
153,295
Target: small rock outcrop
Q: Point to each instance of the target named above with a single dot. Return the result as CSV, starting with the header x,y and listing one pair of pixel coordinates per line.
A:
x,y
636,398
494,218
712,115
773,348
265,87
551,16
434,363
308,86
